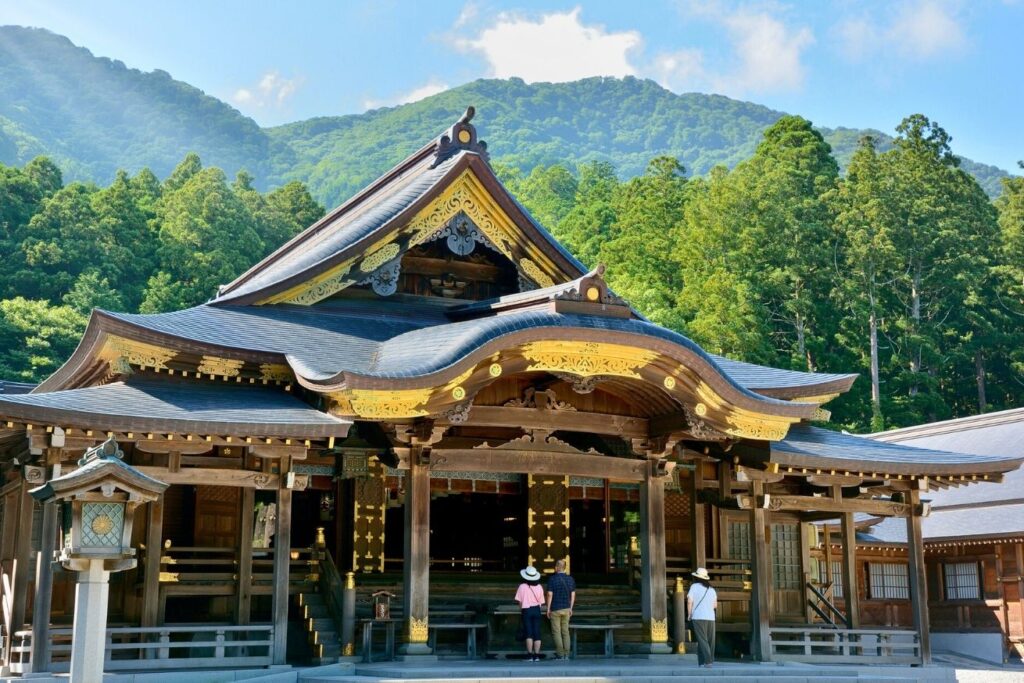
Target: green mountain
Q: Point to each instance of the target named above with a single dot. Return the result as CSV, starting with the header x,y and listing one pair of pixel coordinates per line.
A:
x,y
94,115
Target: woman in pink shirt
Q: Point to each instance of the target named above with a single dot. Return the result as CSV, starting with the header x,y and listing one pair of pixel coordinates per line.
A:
x,y
530,597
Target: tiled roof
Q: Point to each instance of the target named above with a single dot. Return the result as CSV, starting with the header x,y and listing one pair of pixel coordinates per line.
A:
x,y
7,387
196,407
807,446
402,337
763,377
956,524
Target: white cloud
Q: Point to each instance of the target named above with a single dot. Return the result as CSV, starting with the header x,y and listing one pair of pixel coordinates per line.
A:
x,y
766,55
469,13
557,47
921,31
272,91
927,29
416,94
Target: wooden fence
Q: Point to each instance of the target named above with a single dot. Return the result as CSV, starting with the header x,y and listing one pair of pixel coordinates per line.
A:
x,y
133,648
816,645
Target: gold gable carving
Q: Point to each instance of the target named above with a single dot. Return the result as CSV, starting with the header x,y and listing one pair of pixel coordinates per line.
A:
x,y
118,351
466,194
585,359
273,372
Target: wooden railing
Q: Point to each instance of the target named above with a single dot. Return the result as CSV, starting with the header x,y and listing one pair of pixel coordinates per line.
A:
x,y
814,644
133,648
186,570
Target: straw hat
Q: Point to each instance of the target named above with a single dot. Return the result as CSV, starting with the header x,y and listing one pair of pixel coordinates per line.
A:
x,y
702,573
530,574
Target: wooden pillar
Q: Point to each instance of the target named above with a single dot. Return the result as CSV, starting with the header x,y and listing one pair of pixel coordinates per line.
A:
x,y
151,572
22,560
916,574
44,590
698,532
760,638
416,569
850,594
282,567
243,597
653,586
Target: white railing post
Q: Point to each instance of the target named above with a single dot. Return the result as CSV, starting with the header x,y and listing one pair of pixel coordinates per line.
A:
x,y
218,651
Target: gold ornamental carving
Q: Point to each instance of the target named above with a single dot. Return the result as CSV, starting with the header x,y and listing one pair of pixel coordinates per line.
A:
x,y
418,630
119,350
274,372
753,428
659,630
586,359
376,259
494,370
533,271
220,367
317,289
372,403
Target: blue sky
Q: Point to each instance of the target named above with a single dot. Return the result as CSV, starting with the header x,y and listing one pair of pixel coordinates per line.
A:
x,y
841,63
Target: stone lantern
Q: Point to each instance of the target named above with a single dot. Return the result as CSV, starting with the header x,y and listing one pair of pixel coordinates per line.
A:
x,y
97,506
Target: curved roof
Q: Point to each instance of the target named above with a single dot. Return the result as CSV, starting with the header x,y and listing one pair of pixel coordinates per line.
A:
x,y
400,338
807,446
196,407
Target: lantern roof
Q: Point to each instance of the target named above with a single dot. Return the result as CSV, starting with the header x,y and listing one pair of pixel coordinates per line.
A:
x,y
102,468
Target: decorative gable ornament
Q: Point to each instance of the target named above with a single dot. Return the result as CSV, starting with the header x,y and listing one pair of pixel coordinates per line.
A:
x,y
98,502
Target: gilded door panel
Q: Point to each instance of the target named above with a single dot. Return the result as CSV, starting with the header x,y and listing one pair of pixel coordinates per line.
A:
x,y
369,503
547,520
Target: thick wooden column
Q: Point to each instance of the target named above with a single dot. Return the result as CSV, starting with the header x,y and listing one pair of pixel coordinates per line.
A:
x,y
22,560
44,591
851,595
916,575
698,541
282,567
416,570
151,572
653,586
243,598
760,596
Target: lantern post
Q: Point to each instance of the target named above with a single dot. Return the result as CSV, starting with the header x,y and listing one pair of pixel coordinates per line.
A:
x,y
97,505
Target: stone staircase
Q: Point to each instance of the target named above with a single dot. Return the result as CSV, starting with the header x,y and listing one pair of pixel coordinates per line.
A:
x,y
322,630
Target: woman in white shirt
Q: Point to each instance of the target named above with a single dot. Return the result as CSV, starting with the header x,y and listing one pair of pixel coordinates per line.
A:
x,y
530,597
701,603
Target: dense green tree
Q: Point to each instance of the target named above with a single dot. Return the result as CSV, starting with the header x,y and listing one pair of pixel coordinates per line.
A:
x,y
550,192
648,210
35,337
296,207
207,237
588,224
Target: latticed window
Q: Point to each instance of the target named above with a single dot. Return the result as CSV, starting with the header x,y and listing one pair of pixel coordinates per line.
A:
x,y
887,580
739,540
786,555
962,581
837,577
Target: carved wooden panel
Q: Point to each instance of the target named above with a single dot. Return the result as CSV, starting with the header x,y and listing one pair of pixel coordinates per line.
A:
x,y
547,520
216,522
369,503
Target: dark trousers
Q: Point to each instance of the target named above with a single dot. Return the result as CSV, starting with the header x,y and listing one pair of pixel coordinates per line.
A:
x,y
704,632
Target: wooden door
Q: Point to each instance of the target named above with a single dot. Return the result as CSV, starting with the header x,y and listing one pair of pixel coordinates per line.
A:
x,y
787,572
547,520
217,516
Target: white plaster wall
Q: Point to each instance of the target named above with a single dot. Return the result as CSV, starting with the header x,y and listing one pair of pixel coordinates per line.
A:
x,y
986,646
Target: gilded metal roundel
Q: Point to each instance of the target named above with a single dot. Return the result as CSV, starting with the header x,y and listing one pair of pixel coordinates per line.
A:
x,y
102,525
464,136
458,393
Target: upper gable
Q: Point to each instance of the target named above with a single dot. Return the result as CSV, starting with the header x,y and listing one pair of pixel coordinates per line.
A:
x,y
445,191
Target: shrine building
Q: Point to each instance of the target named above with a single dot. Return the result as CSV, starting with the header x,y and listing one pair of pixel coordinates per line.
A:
x,y
422,393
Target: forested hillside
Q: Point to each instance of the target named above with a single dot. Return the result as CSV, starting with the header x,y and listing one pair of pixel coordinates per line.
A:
x,y
93,115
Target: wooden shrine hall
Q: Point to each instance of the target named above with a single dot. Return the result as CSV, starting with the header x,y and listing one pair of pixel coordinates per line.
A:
x,y
424,392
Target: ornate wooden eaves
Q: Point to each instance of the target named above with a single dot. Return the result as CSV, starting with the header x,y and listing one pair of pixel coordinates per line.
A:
x,y
467,195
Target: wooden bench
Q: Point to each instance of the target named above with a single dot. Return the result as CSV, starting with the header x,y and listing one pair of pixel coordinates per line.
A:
x,y
609,636
470,629
389,643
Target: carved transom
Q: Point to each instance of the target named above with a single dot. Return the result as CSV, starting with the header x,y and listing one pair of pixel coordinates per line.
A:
x,y
544,399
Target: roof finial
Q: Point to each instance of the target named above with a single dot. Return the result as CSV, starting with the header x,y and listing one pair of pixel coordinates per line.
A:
x,y
468,116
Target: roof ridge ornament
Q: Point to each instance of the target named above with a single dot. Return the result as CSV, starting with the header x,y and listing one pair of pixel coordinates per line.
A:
x,y
461,136
592,288
108,450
